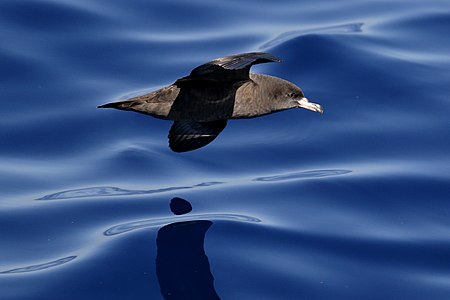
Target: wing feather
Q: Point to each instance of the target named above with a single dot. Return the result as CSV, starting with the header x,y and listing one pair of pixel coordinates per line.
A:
x,y
190,135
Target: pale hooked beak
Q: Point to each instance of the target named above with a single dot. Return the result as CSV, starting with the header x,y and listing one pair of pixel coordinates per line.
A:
x,y
304,103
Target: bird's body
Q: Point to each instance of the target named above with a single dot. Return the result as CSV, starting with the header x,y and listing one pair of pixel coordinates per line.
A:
x,y
252,100
200,104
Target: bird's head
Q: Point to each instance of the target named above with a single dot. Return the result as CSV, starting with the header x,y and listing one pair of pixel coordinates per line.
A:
x,y
294,95
288,95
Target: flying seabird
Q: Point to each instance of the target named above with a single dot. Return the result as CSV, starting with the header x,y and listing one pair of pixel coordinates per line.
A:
x,y
200,104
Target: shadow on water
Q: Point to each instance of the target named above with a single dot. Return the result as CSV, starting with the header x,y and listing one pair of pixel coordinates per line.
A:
x,y
182,266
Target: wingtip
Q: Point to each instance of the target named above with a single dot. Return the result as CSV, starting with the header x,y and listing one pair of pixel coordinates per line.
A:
x,y
276,58
272,57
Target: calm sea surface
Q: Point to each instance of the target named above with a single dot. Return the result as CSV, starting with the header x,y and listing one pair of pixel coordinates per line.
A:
x,y
354,204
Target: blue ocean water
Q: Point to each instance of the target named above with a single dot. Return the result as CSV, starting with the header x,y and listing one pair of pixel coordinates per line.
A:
x,y
353,204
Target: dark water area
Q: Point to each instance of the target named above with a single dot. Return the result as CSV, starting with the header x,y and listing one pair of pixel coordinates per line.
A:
x,y
353,204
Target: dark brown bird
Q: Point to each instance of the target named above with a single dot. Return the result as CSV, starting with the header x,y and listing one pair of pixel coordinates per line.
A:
x,y
200,104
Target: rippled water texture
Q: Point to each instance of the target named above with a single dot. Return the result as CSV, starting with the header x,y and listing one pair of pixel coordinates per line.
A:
x,y
353,204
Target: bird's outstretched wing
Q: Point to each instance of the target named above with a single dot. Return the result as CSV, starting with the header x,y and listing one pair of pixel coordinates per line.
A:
x,y
233,68
208,93
190,135
238,61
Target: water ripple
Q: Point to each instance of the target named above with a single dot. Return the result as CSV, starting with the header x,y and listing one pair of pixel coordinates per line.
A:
x,y
115,191
317,234
39,267
338,29
303,175
162,221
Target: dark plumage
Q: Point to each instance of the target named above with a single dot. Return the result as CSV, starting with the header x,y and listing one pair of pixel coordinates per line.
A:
x,y
200,104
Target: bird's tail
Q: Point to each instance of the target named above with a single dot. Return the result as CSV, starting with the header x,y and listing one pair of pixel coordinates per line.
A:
x,y
118,105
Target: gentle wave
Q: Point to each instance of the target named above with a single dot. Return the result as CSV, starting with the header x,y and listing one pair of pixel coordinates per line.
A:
x,y
337,29
330,206
118,229
40,267
303,175
115,191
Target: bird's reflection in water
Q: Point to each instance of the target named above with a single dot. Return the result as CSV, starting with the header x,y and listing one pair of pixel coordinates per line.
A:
x,y
182,266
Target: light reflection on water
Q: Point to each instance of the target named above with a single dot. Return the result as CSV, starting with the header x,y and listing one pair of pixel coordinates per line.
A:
x,y
329,207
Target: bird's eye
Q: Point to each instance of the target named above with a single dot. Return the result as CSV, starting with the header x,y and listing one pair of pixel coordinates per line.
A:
x,y
292,95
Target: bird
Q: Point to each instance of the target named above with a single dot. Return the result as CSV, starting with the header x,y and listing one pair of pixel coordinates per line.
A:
x,y
201,103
